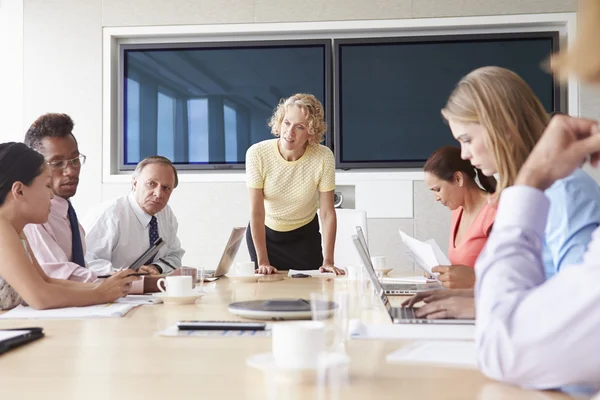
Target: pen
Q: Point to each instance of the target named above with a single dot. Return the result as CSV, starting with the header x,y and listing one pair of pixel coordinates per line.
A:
x,y
136,274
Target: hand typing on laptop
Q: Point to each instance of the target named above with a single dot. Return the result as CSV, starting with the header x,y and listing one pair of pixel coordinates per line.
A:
x,y
443,303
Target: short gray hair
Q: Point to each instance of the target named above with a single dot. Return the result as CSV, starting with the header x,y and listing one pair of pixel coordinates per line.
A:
x,y
155,160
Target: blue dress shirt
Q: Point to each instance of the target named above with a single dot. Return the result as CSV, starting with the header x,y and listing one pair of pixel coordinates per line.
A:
x,y
574,214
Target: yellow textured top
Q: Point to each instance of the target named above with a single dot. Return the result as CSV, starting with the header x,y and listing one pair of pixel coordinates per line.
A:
x,y
291,188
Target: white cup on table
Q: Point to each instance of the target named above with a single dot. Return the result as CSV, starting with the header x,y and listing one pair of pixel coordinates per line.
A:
x,y
379,262
176,286
298,344
245,268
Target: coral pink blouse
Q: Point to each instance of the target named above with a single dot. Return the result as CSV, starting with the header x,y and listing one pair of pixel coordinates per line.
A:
x,y
467,251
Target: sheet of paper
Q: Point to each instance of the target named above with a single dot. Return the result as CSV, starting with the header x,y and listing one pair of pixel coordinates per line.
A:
x,y
407,279
111,310
139,299
315,273
4,335
441,352
359,330
173,331
421,253
439,254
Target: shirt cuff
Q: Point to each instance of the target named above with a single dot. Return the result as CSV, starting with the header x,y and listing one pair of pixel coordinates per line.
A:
x,y
137,287
524,207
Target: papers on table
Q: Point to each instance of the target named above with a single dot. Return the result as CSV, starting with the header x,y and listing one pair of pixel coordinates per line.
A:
x,y
139,299
425,254
315,273
407,279
358,330
173,331
111,310
444,352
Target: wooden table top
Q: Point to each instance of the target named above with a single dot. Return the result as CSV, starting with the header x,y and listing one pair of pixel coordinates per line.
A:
x,y
123,358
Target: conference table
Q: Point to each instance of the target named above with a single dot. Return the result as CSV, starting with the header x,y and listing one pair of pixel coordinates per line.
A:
x,y
124,358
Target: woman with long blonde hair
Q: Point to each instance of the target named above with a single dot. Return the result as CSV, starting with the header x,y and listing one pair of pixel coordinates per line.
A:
x,y
497,119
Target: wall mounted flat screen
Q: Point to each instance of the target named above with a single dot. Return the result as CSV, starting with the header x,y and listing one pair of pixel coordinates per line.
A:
x,y
203,104
389,91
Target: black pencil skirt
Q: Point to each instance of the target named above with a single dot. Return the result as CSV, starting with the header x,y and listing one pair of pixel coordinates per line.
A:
x,y
297,249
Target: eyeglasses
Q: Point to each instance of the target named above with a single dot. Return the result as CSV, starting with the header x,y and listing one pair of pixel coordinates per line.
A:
x,y
76,162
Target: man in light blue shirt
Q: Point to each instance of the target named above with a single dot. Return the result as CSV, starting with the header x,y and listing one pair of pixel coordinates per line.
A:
x,y
573,216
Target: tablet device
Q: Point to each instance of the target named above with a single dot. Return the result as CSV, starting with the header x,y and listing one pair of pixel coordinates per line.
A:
x,y
147,255
13,338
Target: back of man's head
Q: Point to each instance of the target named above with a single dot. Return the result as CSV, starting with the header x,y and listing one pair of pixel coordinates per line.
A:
x,y
48,125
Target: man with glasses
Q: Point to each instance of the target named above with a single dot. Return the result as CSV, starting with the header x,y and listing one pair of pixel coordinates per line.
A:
x,y
59,244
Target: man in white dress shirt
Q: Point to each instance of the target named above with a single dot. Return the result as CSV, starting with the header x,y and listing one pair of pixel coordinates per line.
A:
x,y
118,232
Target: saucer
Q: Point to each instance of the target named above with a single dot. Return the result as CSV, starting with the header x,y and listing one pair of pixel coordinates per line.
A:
x,y
266,361
191,299
251,278
384,270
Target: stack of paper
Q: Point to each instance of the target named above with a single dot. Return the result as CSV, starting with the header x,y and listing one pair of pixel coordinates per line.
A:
x,y
425,254
315,273
446,353
111,310
359,330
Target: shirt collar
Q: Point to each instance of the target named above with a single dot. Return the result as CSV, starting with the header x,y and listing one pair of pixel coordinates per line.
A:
x,y
142,216
60,206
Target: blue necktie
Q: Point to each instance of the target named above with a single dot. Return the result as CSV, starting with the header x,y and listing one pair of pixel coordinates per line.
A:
x,y
153,234
77,247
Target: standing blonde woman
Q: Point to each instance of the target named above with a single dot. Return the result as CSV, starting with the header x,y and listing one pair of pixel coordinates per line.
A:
x,y
289,178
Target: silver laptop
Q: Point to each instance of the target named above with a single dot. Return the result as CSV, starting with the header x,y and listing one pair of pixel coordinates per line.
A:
x,y
400,315
392,289
231,249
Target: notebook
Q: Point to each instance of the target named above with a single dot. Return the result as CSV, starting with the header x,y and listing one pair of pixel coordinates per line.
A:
x,y
110,310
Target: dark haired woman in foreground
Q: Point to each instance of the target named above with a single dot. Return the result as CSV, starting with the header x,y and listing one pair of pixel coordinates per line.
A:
x,y
25,195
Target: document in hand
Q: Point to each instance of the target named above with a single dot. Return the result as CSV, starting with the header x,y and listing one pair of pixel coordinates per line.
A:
x,y
425,254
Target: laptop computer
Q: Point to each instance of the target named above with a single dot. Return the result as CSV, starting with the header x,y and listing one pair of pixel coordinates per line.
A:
x,y
231,249
401,315
393,289
13,338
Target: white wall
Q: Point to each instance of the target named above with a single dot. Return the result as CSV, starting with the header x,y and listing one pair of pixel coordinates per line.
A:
x,y
11,70
63,72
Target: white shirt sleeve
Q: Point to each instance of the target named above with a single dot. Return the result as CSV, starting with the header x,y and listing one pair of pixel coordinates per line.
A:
x,y
530,332
102,236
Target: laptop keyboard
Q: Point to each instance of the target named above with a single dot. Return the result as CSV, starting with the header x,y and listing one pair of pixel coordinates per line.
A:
x,y
406,312
399,286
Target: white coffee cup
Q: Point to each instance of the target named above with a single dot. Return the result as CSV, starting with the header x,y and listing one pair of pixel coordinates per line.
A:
x,y
245,268
176,286
379,262
298,344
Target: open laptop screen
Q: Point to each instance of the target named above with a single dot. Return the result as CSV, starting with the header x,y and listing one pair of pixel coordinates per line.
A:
x,y
371,271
